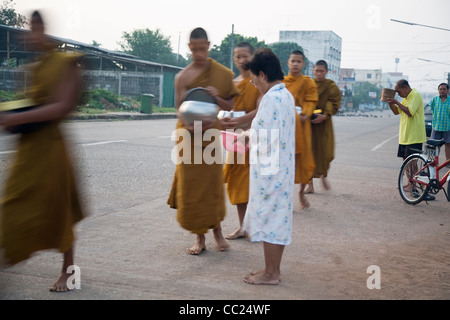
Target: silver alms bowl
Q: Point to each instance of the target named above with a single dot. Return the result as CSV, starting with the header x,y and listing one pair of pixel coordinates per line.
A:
x,y
191,111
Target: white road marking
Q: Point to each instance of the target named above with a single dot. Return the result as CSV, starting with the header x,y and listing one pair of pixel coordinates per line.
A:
x,y
101,143
376,148
83,145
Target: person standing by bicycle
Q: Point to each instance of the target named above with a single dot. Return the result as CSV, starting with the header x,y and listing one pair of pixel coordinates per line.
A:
x,y
412,133
440,107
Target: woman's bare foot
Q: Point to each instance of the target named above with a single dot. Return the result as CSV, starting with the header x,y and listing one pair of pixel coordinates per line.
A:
x,y
199,246
222,244
238,234
262,278
61,283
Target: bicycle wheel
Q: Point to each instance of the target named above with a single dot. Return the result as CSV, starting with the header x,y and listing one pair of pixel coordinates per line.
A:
x,y
414,179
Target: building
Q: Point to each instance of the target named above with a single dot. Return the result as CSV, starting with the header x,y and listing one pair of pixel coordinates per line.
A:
x,y
319,45
373,76
121,73
389,79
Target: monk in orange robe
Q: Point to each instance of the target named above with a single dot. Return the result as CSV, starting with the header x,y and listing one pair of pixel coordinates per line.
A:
x,y
304,91
198,190
237,167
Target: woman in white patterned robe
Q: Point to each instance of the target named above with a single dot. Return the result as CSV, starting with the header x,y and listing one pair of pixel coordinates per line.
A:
x,y
272,167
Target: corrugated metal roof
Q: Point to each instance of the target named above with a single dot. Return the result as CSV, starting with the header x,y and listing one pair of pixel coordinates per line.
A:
x,y
91,49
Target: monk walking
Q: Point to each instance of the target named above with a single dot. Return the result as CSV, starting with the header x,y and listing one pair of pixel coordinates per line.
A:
x,y
237,167
304,91
41,204
198,190
322,127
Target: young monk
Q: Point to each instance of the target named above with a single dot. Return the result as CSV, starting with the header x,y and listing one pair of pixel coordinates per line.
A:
x,y
198,190
236,169
322,126
41,205
305,94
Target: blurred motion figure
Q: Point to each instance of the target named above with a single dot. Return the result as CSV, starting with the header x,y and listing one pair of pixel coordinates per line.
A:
x,y
40,205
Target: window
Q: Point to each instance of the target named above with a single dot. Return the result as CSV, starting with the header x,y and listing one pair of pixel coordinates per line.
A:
x,y
369,76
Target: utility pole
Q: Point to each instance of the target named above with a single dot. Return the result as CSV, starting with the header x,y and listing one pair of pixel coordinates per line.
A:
x,y
232,47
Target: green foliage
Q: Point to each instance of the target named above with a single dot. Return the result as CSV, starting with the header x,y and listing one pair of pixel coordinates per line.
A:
x,y
9,16
10,96
101,99
361,94
283,51
151,46
222,53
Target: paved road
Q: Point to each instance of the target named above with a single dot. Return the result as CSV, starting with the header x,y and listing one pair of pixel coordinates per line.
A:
x,y
131,247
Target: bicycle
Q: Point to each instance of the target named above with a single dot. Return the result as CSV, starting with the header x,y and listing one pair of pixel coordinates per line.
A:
x,y
419,174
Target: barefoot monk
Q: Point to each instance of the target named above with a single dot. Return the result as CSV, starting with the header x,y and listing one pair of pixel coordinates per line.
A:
x,y
198,190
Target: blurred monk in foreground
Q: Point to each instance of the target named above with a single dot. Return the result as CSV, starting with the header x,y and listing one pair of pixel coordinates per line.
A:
x,y
40,205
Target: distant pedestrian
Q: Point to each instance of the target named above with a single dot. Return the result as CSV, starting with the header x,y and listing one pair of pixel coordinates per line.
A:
x,y
40,205
440,106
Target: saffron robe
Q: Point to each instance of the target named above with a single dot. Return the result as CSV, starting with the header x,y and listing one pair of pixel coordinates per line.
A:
x,y
236,169
323,143
198,192
40,205
304,91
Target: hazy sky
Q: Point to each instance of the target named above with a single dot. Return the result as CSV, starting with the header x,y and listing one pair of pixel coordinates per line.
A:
x,y
370,40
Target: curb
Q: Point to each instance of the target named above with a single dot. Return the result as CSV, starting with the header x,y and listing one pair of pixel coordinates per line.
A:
x,y
132,116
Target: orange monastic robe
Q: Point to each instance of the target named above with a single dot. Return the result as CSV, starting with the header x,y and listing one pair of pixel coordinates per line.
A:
x,y
304,91
237,168
198,190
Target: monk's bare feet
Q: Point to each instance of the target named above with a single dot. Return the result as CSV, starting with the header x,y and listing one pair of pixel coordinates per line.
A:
x,y
222,244
309,189
61,283
199,246
262,278
238,234
304,203
326,184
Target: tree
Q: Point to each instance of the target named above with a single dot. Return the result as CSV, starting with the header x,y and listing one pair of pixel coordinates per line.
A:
x,y
361,94
9,16
149,45
222,53
283,51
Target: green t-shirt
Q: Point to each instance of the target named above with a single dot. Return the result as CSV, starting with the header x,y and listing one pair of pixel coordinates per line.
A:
x,y
412,129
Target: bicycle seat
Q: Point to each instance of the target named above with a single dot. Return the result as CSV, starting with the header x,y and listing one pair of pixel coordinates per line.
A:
x,y
436,143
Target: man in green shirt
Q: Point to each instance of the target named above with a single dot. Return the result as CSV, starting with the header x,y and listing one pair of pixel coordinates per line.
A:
x,y
412,133
440,106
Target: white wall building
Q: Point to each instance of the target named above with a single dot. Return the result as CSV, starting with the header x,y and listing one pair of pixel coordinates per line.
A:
x,y
320,45
390,79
